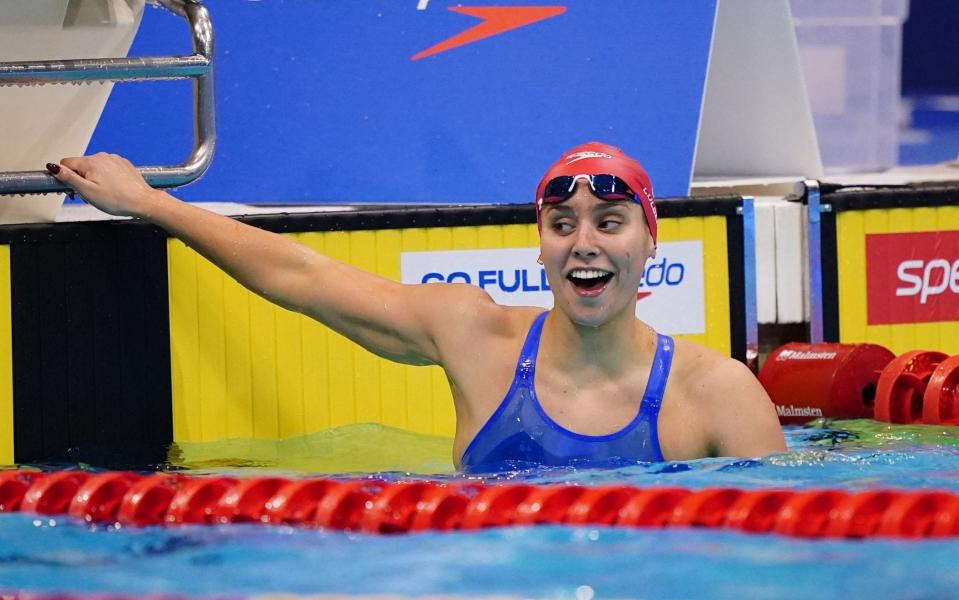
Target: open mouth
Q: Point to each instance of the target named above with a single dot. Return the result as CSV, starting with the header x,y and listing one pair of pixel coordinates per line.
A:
x,y
589,279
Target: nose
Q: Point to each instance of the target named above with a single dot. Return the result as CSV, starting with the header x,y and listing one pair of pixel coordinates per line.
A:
x,y
584,245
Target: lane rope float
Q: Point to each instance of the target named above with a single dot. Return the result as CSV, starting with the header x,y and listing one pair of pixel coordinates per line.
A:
x,y
379,507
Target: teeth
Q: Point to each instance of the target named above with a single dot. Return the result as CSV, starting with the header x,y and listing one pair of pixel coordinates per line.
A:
x,y
588,273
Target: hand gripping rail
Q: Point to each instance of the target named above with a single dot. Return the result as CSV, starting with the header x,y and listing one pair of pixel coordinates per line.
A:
x,y
197,66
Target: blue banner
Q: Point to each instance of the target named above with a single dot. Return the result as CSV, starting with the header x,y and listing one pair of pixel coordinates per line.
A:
x,y
432,101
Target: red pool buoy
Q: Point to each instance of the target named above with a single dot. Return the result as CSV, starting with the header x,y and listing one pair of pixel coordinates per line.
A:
x,y
600,505
901,385
196,499
757,510
810,381
495,506
344,506
13,485
392,510
147,500
860,514
443,507
651,507
548,504
705,508
246,500
915,514
51,495
808,513
98,499
296,501
940,401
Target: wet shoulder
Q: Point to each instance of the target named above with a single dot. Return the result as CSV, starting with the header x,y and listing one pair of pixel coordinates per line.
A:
x,y
496,320
483,327
697,371
717,407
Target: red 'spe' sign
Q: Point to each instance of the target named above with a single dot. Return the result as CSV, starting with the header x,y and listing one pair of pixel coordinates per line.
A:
x,y
912,277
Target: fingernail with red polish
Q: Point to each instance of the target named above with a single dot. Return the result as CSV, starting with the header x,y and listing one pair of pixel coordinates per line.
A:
x,y
54,168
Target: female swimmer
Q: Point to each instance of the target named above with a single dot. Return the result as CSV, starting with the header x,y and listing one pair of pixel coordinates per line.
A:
x,y
584,383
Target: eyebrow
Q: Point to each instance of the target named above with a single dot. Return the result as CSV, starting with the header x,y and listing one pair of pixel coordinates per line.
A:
x,y
610,204
558,207
604,206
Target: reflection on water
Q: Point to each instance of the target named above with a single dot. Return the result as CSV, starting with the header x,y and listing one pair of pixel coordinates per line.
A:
x,y
866,433
364,448
841,454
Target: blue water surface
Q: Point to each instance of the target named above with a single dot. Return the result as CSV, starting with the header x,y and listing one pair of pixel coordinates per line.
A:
x,y
64,555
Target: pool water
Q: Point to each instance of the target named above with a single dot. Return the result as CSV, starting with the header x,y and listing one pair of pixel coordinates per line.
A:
x,y
63,555
360,448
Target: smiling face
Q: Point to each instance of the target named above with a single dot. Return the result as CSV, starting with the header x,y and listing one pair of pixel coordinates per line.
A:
x,y
594,253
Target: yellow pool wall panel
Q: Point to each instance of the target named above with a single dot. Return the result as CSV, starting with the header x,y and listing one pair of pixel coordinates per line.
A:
x,y
6,361
245,368
716,285
852,227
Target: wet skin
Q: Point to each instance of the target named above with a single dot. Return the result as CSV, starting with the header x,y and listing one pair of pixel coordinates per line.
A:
x,y
595,355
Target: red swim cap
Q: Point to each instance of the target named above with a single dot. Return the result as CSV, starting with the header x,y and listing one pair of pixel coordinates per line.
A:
x,y
595,158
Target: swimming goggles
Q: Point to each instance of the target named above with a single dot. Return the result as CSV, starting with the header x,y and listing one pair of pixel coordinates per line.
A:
x,y
604,185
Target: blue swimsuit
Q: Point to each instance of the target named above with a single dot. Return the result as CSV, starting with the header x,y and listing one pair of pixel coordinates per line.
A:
x,y
520,432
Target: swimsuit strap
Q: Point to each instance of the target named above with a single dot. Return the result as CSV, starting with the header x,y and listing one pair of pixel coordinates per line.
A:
x,y
658,375
526,365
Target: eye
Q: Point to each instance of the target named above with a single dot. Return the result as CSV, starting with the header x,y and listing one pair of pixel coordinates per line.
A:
x,y
562,226
609,224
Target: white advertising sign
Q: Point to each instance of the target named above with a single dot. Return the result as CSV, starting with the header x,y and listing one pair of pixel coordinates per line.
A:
x,y
670,296
511,276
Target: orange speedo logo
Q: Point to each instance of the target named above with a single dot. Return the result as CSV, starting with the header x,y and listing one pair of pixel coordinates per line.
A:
x,y
495,20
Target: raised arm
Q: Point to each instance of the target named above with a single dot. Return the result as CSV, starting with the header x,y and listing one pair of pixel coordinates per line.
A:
x,y
393,320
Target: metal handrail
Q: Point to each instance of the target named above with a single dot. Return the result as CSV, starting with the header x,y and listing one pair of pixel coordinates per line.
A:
x,y
198,66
